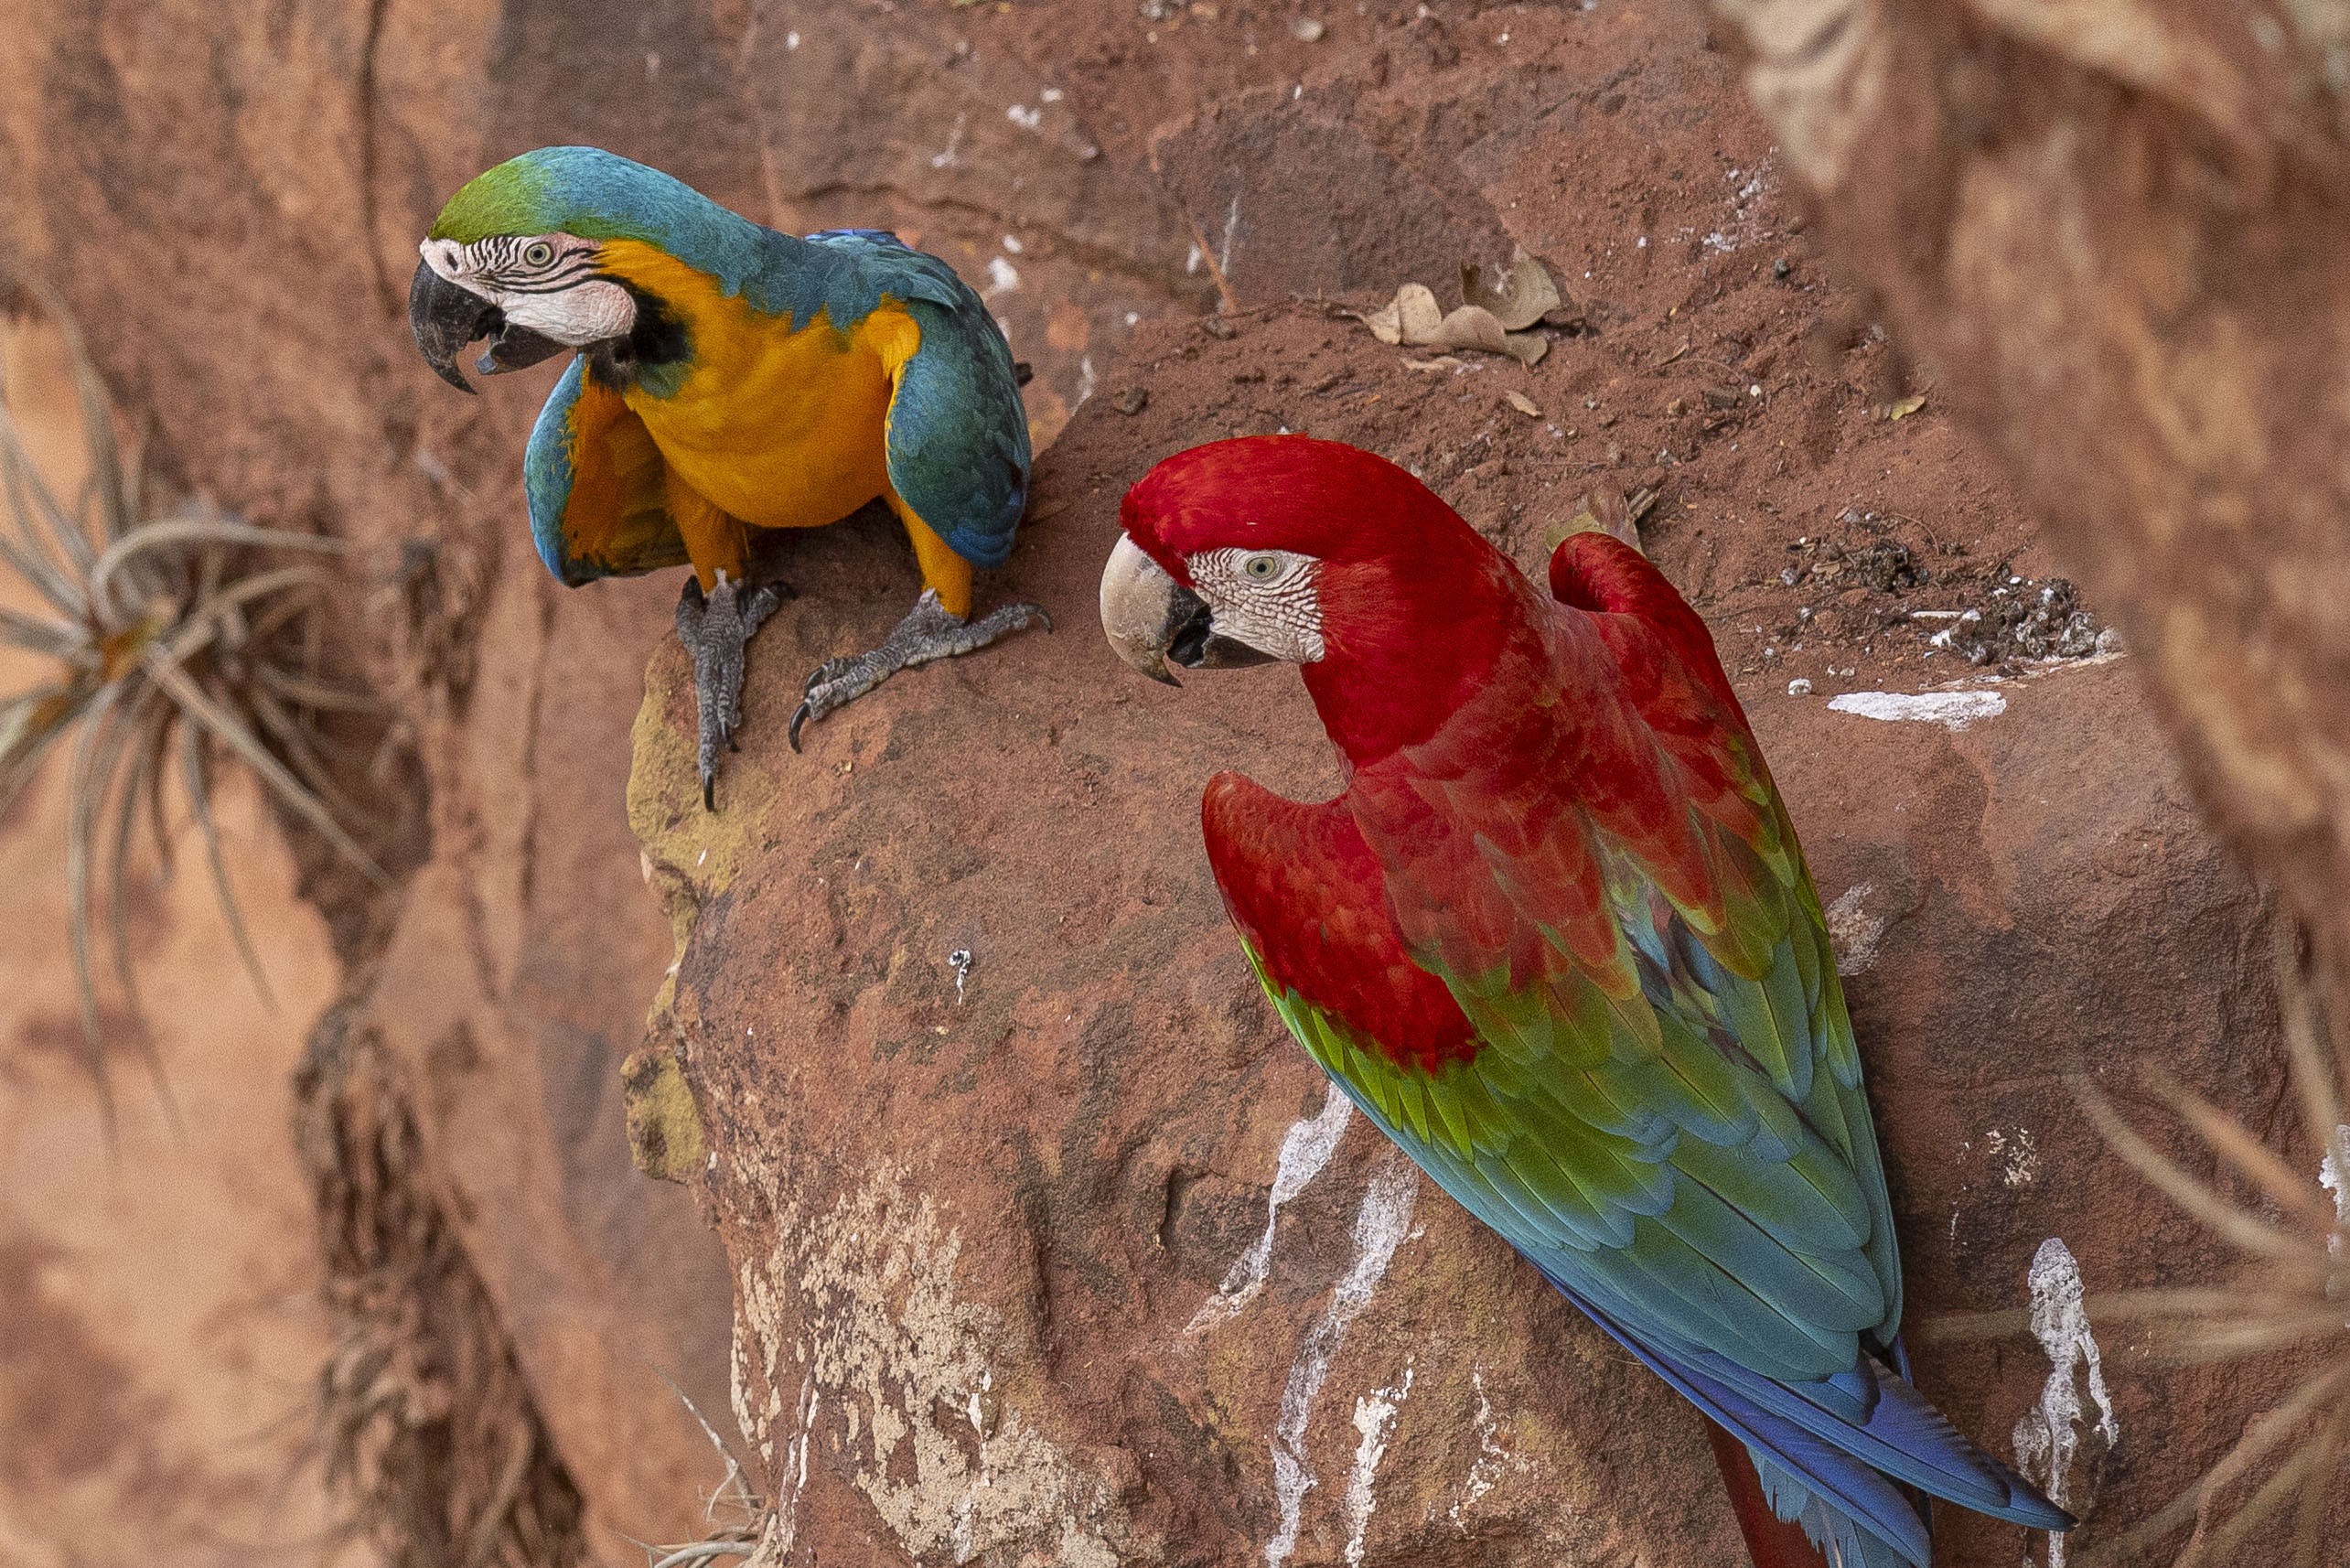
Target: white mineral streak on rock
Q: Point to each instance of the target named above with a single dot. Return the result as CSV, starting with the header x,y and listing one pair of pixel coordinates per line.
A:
x,y
738,1390
2330,1177
1853,933
1491,1460
1305,1148
1379,1225
1955,709
2045,1441
862,1297
795,1455
952,155
1374,1414
2019,1156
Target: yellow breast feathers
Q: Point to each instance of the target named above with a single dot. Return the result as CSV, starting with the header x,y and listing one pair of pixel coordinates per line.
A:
x,y
780,428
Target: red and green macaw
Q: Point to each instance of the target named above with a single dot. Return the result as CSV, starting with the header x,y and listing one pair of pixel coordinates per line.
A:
x,y
1557,939
730,378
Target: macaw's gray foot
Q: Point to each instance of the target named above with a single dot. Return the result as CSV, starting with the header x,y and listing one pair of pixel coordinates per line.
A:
x,y
715,628
928,632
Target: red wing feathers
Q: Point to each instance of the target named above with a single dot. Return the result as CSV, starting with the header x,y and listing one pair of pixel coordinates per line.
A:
x,y
1308,898
1600,573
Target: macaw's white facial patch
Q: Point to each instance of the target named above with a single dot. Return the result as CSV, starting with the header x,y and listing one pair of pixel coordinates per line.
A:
x,y
546,283
1266,598
595,311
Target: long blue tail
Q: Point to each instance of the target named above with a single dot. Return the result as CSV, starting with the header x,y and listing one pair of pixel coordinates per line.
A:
x,y
1840,1543
1836,1464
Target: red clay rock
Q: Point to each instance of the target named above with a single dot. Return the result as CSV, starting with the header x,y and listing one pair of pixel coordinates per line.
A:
x,y
1291,201
1020,1194
981,1222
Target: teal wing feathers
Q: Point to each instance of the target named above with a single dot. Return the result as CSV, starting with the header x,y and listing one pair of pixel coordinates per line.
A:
x,y
597,484
958,452
1656,1169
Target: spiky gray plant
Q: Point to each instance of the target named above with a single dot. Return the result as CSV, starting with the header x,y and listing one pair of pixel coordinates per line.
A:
x,y
2290,1295
737,1515
177,636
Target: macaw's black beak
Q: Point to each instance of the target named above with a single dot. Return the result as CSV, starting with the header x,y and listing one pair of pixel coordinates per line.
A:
x,y
444,318
1151,620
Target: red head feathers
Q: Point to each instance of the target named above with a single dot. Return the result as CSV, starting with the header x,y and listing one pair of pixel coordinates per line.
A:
x,y
1394,606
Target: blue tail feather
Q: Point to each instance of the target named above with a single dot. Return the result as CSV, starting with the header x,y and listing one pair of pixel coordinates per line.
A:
x,y
1858,1489
1843,1542
1839,1479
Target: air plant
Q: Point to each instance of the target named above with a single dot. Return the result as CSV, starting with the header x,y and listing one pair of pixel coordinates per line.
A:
x,y
2290,1293
743,1526
178,635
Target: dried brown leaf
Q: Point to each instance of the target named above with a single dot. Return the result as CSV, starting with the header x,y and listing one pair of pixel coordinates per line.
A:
x,y
1523,296
1413,321
1603,511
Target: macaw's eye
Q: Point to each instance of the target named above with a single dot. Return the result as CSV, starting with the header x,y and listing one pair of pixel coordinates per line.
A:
x,y
537,253
1261,568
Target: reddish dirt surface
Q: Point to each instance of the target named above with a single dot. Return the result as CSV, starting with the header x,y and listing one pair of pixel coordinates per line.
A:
x,y
1819,572
1014,1201
1126,1090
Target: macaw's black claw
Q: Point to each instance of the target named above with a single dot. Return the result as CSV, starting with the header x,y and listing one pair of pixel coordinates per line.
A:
x,y
928,632
715,628
798,717
830,671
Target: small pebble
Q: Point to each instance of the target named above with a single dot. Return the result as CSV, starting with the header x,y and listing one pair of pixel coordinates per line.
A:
x,y
1217,328
1309,29
1782,269
1132,400
1798,687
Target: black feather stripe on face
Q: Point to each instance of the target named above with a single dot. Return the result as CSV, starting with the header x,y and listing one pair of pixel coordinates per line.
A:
x,y
500,263
657,340
567,276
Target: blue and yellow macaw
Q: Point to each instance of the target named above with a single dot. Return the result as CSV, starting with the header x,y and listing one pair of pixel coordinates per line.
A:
x,y
728,377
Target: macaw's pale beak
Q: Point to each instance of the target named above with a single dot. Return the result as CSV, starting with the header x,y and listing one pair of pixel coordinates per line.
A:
x,y
444,317
1151,620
